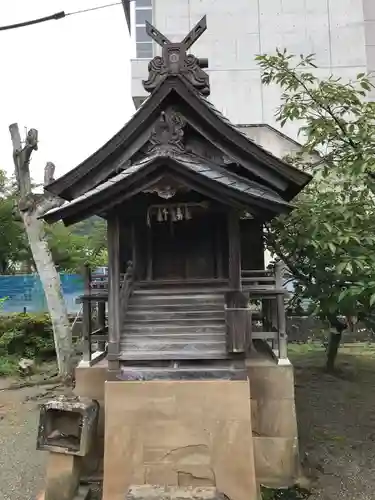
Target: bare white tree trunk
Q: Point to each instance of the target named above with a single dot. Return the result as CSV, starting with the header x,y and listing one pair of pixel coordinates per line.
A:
x,y
32,206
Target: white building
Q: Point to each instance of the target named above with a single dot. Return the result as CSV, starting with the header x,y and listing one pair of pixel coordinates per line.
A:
x,y
340,32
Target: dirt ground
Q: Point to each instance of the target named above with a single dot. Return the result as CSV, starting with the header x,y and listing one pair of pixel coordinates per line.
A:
x,y
336,417
336,424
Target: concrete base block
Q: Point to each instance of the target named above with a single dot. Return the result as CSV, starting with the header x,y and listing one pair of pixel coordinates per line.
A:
x,y
274,421
179,433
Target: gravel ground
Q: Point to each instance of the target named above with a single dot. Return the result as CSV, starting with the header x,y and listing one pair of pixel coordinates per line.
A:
x,y
21,466
336,425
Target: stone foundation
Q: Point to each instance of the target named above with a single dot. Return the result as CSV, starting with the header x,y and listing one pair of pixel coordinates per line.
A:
x,y
274,422
179,433
273,418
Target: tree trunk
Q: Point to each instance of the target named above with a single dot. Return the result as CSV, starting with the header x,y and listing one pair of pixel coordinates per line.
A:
x,y
51,283
32,207
332,350
338,325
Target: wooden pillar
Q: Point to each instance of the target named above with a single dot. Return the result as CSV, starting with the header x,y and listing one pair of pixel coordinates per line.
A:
x,y
101,323
114,310
234,250
134,251
281,319
86,316
149,254
219,250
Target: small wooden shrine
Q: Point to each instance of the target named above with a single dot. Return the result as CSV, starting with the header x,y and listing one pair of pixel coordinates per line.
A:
x,y
185,195
185,389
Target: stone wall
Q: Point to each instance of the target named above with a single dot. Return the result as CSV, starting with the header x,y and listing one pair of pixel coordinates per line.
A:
x,y
304,329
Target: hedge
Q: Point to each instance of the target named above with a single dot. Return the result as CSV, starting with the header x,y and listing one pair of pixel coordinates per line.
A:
x,y
26,335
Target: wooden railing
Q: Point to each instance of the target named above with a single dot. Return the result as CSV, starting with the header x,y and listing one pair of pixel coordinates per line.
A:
x,y
94,314
265,287
126,290
238,321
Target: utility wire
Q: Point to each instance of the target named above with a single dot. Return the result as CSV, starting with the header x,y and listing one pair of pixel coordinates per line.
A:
x,y
56,17
93,8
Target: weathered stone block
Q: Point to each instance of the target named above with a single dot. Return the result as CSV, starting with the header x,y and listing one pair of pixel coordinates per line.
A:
x,y
150,492
179,433
67,425
62,477
274,418
271,382
276,460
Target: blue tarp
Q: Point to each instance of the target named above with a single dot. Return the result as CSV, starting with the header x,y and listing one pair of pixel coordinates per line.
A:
x,y
25,291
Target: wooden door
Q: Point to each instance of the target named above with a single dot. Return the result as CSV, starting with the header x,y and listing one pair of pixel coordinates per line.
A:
x,y
183,250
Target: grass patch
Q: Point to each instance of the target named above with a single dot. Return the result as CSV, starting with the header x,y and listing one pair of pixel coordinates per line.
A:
x,y
8,366
294,493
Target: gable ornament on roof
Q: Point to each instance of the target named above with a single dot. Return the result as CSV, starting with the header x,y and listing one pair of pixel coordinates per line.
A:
x,y
168,132
176,61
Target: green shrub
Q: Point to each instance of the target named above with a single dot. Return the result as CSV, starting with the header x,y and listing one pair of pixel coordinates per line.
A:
x,y
26,335
8,366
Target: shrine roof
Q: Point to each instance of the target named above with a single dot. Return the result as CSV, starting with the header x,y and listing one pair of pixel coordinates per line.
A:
x,y
257,160
227,187
176,80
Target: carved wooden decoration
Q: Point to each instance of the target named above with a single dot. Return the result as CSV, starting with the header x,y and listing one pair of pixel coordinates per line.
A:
x,y
168,132
175,59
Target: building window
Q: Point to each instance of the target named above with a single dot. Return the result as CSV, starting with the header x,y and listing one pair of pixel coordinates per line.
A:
x,y
143,13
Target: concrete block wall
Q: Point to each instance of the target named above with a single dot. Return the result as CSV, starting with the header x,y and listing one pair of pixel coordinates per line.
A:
x,y
340,33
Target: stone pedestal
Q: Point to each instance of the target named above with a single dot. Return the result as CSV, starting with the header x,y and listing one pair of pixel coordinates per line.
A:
x,y
179,433
67,429
62,476
90,383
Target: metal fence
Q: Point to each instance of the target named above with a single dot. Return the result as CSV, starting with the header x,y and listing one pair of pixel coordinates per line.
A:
x,y
25,292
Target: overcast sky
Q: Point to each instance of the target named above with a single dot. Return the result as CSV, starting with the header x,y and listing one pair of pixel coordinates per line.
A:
x,y
70,79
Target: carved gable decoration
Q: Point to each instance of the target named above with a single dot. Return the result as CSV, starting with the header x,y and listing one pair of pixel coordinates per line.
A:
x,y
168,133
176,61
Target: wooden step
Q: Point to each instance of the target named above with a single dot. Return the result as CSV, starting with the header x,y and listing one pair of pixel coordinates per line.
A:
x,y
160,336
193,283
148,327
178,314
165,305
184,299
179,291
162,322
174,324
171,355
171,345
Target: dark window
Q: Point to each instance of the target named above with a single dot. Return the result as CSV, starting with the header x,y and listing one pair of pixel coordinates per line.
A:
x,y
141,35
143,3
143,15
144,50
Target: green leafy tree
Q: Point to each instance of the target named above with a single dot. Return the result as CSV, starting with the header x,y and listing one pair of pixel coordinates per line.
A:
x,y
13,244
328,241
71,247
79,245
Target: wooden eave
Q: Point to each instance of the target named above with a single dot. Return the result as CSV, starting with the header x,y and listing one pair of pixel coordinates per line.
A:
x,y
205,119
207,178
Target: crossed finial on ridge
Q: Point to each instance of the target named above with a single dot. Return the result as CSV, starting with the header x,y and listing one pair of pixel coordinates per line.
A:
x,y
187,42
175,60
